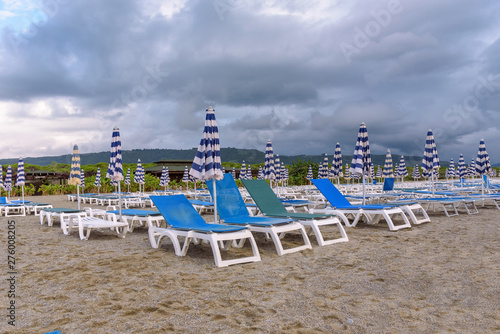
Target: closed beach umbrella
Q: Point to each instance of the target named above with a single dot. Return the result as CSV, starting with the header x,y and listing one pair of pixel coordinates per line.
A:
x,y
337,163
249,173
1,179
82,178
416,173
471,170
127,180
74,175
138,175
309,174
234,173
347,175
185,176
324,175
97,182
269,173
283,172
163,178
8,180
430,161
243,171
402,171
361,159
388,172
21,180
379,172
115,169
260,175
483,166
451,168
277,168
207,162
461,169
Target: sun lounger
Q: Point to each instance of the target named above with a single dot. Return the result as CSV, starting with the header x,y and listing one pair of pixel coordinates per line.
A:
x,y
202,206
232,210
141,217
372,213
61,213
184,221
271,206
88,224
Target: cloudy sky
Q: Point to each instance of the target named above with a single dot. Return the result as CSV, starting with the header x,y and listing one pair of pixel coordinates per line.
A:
x,y
304,74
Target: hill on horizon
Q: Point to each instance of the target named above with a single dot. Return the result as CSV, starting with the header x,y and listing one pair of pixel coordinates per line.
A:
x,y
228,154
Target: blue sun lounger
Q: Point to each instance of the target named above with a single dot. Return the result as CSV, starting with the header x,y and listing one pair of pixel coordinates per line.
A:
x,y
184,221
232,210
373,212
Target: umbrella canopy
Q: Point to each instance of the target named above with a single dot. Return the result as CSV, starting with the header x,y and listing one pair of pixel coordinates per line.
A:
x,y
164,179
234,173
379,172
127,178
260,176
207,162
277,168
451,168
82,179
416,173
430,161
361,159
347,175
309,175
337,162
324,169
243,171
249,173
388,172
482,160
185,176
269,173
462,170
115,168
1,178
20,181
471,170
74,175
402,171
97,181
8,180
283,171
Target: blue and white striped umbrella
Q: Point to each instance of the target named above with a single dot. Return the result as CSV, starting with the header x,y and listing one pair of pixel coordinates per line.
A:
x,y
97,182
249,173
82,178
74,174
388,171
243,171
347,175
361,159
372,171
462,169
283,171
471,171
234,173
164,178
127,180
260,176
1,178
451,168
483,165
324,169
269,172
207,162
277,168
430,161
21,180
402,171
115,168
8,180
416,173
185,176
337,162
320,171
139,174
379,172
309,175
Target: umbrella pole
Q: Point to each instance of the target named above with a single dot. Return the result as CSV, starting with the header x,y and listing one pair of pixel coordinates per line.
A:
x,y
22,189
215,201
363,189
120,200
78,196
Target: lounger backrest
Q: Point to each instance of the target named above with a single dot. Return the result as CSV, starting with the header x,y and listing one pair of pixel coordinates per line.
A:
x,y
331,193
229,200
3,200
388,184
264,197
177,211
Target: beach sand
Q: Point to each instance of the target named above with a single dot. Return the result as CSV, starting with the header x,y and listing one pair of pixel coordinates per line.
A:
x,y
437,277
